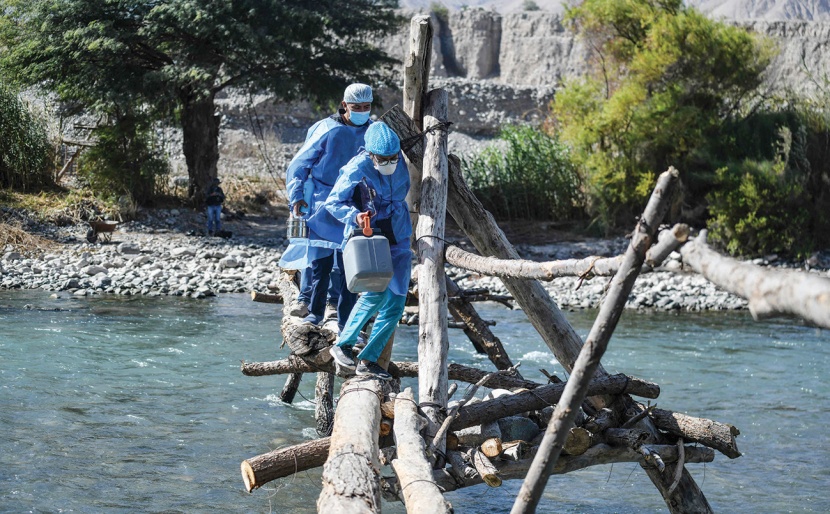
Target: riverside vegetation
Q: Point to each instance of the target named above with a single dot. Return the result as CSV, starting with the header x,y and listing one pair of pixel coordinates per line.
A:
x,y
668,87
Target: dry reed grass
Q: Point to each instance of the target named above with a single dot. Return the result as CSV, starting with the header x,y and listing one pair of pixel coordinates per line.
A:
x,y
12,235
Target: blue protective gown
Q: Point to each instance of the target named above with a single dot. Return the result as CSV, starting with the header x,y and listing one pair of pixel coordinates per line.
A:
x,y
330,143
390,203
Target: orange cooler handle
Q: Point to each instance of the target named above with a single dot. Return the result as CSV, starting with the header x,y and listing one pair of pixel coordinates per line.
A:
x,y
364,221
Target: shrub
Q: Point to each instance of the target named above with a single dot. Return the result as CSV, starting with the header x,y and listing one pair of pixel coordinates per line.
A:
x,y
25,152
532,178
530,5
758,207
125,161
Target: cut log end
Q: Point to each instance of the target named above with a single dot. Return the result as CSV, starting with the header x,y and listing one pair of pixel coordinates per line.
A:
x,y
248,477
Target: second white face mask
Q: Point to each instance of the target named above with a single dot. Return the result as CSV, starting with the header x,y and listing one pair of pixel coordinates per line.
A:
x,y
386,169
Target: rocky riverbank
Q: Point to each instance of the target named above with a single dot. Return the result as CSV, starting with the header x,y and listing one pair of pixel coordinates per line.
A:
x,y
164,253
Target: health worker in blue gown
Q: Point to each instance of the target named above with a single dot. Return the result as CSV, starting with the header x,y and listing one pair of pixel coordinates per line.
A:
x,y
381,167
329,145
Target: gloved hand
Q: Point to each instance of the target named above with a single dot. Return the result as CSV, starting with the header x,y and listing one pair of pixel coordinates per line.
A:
x,y
301,204
364,221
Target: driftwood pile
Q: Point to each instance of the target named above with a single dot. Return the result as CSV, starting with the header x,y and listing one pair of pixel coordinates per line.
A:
x,y
521,429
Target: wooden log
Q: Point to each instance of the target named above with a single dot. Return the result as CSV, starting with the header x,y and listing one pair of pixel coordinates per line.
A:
x,y
415,83
486,470
258,471
589,358
433,340
459,467
476,434
414,472
302,339
351,476
256,296
713,434
605,418
289,390
769,292
453,413
686,496
476,329
596,455
515,450
669,240
491,448
324,407
386,427
577,442
295,364
544,396
631,437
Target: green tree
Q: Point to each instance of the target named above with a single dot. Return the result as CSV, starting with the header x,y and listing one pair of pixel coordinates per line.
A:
x,y
179,54
665,79
25,152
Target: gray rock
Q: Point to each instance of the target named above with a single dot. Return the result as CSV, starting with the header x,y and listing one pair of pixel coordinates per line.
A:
x,y
94,270
183,251
228,262
128,249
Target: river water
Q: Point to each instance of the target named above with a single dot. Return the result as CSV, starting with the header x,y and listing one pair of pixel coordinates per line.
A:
x,y
114,404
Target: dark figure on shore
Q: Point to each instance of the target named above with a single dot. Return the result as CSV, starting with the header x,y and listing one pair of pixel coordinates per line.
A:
x,y
214,199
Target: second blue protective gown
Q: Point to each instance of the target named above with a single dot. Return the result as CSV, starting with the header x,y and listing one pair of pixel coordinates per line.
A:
x,y
390,203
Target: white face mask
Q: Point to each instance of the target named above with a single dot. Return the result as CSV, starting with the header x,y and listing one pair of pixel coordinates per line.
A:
x,y
387,168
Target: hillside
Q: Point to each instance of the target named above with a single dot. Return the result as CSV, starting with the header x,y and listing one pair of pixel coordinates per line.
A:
x,y
737,10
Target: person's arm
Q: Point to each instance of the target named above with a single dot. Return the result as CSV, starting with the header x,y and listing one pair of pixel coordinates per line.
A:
x,y
339,202
300,167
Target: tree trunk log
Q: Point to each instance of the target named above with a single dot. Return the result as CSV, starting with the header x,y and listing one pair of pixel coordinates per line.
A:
x,y
415,83
486,470
596,455
577,442
323,362
289,390
491,448
433,341
713,434
256,296
414,472
351,474
595,345
324,409
769,292
669,240
476,329
301,339
258,471
509,405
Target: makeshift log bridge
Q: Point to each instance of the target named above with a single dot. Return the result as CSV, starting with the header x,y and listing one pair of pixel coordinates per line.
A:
x,y
521,429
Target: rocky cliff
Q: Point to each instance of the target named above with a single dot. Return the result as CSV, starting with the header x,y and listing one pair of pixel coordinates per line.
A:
x,y
501,68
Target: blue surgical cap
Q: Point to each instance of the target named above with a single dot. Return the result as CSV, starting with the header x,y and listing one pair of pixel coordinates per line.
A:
x,y
357,94
381,140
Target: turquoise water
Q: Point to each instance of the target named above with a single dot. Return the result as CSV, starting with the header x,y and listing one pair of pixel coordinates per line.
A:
x,y
113,404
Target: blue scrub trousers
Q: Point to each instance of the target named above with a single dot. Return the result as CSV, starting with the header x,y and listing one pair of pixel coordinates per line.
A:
x,y
389,308
335,285
321,278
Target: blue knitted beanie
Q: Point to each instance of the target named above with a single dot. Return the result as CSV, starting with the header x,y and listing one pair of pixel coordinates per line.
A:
x,y
382,140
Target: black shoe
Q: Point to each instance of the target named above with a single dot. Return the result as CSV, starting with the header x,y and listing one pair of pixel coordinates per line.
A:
x,y
343,355
372,368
